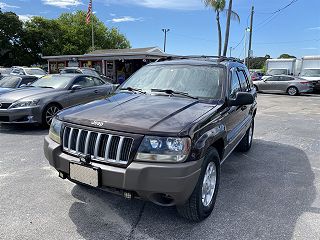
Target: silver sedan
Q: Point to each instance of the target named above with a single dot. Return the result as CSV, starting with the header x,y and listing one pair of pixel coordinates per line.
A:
x,y
283,84
41,100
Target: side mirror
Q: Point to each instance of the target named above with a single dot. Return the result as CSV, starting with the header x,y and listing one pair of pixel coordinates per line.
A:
x,y
242,98
75,88
23,85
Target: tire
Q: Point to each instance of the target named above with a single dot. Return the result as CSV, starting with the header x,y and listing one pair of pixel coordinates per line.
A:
x,y
293,91
257,89
246,142
48,113
198,208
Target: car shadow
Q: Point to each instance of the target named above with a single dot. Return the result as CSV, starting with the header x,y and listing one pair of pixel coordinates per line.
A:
x,y
262,194
22,129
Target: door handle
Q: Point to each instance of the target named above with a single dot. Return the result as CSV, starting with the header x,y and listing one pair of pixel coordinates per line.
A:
x,y
244,108
96,91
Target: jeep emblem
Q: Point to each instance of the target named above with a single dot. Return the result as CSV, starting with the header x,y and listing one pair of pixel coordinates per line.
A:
x,y
97,123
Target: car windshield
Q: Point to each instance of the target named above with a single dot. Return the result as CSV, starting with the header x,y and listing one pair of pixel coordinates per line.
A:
x,y
66,71
9,82
5,70
34,71
90,72
310,73
53,81
277,72
196,81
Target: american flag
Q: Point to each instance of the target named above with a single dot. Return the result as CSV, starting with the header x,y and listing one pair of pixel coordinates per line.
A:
x,y
89,12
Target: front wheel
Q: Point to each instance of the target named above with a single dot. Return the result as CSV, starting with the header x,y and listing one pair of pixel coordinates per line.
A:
x,y
201,202
48,114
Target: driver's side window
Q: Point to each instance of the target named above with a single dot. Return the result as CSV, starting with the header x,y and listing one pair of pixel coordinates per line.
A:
x,y
235,84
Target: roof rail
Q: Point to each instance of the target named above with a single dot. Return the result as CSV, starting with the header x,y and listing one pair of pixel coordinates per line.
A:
x,y
205,57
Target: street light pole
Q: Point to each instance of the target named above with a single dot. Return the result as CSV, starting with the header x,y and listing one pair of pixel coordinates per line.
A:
x,y
165,38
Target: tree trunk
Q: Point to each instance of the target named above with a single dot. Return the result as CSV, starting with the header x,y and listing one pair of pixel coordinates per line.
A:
x,y
219,33
226,40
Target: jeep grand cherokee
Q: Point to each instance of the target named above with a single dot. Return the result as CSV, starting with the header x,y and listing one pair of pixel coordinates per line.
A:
x,y
162,136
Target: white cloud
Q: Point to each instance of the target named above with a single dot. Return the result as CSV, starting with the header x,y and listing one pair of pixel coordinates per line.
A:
x,y
63,3
25,17
126,19
164,4
6,6
314,28
310,48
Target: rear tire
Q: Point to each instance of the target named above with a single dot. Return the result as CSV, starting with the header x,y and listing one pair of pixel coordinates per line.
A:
x,y
48,113
246,142
257,89
201,202
293,91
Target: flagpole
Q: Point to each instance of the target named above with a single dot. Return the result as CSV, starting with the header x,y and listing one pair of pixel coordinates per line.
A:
x,y
92,31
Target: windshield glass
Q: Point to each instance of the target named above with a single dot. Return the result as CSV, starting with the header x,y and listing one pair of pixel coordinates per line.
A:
x,y
9,82
5,70
90,72
34,71
310,73
53,81
277,72
66,71
197,81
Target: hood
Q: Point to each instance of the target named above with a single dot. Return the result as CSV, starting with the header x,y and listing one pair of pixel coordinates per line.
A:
x,y
6,90
25,93
146,114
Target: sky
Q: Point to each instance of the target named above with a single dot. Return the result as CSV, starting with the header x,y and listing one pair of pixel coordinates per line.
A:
x,y
193,31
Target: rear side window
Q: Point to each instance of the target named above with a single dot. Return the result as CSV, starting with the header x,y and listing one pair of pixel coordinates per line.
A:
x,y
235,85
244,82
97,81
84,82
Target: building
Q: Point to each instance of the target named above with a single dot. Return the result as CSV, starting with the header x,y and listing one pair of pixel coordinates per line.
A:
x,y
118,64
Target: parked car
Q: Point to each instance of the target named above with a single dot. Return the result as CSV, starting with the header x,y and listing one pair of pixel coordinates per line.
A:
x,y
85,70
10,83
21,71
255,76
40,101
4,72
162,136
284,84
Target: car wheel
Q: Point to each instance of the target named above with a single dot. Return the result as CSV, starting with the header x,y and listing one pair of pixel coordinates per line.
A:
x,y
48,114
257,89
246,142
201,202
293,91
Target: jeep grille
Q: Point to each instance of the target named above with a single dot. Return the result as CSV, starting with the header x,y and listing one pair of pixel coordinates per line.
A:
x,y
101,147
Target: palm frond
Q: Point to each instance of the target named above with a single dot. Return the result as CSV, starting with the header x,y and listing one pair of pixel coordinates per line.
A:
x,y
234,15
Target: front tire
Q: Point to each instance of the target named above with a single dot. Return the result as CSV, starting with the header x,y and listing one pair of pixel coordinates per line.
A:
x,y
201,202
48,114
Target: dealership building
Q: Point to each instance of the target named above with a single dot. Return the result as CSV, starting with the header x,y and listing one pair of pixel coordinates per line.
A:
x,y
114,63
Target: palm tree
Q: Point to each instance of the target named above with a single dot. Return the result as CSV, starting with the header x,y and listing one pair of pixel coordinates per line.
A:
x,y
218,6
234,16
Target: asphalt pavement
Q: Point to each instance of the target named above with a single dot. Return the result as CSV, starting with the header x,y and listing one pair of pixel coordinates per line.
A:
x,y
271,192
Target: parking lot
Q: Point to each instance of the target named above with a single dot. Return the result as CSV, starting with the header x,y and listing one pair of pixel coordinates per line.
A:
x,y
272,192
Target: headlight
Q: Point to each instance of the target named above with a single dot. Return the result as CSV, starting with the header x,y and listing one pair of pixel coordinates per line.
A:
x,y
55,130
163,149
24,104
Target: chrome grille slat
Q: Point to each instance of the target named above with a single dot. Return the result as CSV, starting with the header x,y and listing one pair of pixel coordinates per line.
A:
x,y
102,147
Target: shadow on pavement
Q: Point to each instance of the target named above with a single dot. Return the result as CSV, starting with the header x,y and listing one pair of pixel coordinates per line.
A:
x,y
22,129
262,194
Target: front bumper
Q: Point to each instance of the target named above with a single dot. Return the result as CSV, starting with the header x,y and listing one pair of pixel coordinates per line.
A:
x,y
21,115
161,183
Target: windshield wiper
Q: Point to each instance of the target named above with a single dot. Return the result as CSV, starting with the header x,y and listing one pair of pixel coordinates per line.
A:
x,y
172,92
133,90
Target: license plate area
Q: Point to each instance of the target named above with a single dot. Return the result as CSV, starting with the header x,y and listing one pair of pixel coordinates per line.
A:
x,y
85,174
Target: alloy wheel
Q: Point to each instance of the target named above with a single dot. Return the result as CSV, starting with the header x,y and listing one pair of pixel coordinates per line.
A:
x,y
50,113
209,184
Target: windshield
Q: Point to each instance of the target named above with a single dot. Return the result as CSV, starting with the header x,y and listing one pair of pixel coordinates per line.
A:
x,y
277,72
34,71
53,81
5,70
9,82
196,81
310,73
66,71
90,72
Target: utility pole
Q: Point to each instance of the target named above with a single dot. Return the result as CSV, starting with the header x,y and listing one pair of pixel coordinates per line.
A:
x,y
250,38
245,45
165,38
230,51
